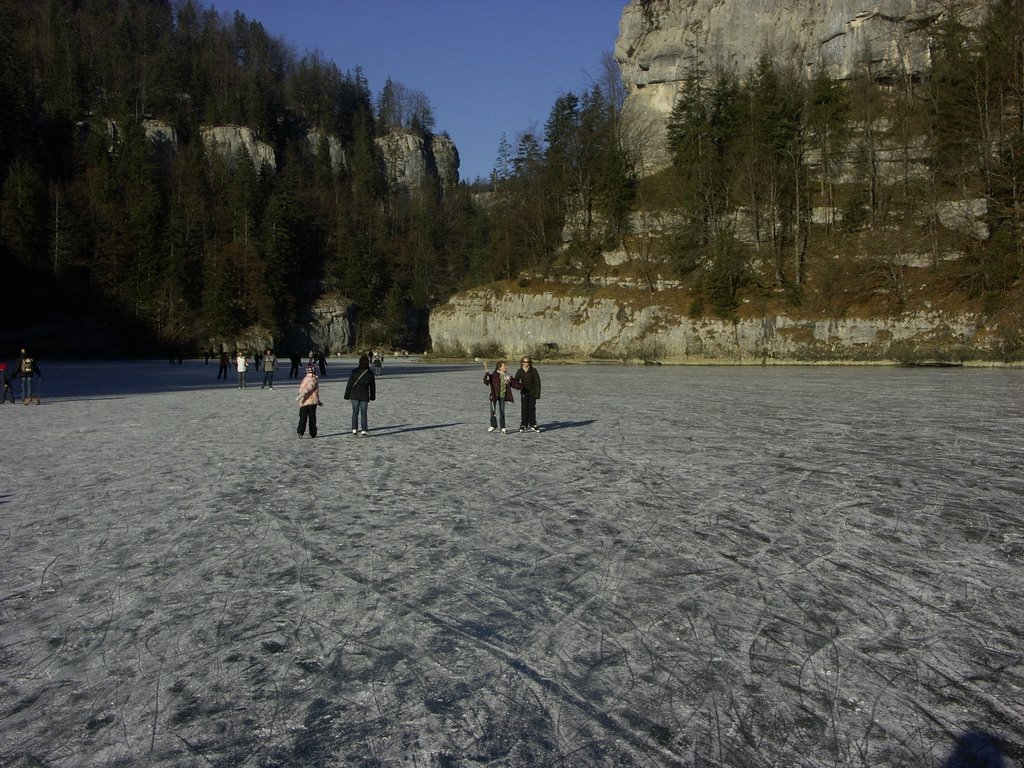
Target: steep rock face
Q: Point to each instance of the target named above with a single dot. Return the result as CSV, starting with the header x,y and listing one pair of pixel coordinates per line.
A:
x,y
329,325
411,162
164,135
335,150
326,325
446,160
578,326
227,140
659,39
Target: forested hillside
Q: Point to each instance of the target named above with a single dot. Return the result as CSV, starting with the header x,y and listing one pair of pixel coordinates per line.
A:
x,y
115,211
788,190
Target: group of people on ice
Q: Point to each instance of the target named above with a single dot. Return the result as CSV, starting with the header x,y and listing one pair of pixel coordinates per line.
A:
x,y
25,372
267,364
361,390
501,384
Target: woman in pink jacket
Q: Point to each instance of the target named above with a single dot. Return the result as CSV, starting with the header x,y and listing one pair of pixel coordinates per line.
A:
x,y
309,399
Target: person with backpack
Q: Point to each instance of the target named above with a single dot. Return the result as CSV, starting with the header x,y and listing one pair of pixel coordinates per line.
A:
x,y
361,389
27,369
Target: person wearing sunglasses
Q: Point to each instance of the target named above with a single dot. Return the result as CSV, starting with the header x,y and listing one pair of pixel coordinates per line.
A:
x,y
529,380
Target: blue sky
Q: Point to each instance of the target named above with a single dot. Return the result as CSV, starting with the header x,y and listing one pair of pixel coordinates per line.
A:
x,y
488,67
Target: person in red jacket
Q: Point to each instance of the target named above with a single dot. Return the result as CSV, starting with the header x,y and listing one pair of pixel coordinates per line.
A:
x,y
501,385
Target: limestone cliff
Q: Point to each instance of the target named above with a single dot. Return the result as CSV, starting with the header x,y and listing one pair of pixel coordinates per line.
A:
x,y
621,317
411,162
659,40
489,322
336,152
228,140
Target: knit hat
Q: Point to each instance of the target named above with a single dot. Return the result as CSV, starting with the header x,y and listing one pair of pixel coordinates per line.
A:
x,y
310,369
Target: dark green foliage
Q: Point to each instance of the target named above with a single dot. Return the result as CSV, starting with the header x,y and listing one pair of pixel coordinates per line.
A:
x,y
186,241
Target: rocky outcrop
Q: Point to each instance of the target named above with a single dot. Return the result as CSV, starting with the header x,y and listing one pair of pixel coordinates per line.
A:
x,y
163,135
335,150
228,140
446,159
487,322
660,39
411,162
330,325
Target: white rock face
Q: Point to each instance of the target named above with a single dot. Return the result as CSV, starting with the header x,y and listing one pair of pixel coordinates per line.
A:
x,y
411,162
446,160
334,148
229,139
160,133
658,39
330,324
586,327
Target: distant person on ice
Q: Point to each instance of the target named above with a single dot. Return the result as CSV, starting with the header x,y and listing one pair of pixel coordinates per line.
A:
x,y
269,366
242,364
26,370
501,385
309,400
528,377
361,389
222,371
5,382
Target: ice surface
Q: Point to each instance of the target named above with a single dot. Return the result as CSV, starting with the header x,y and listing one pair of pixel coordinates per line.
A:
x,y
689,566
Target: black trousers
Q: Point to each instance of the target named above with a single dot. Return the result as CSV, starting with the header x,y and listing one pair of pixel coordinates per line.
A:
x,y
529,410
307,413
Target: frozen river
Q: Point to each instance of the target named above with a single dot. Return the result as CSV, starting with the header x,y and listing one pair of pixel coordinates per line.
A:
x,y
689,566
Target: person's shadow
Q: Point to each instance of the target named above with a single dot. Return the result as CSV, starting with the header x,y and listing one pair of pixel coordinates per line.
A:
x,y
976,749
553,425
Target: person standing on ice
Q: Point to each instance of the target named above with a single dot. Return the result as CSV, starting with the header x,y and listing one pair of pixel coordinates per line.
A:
x,y
5,382
242,364
222,369
269,366
26,370
361,389
529,379
309,401
501,385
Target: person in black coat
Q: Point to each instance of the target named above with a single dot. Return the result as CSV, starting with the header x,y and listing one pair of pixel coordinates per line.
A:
x,y
26,370
529,379
5,380
361,389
